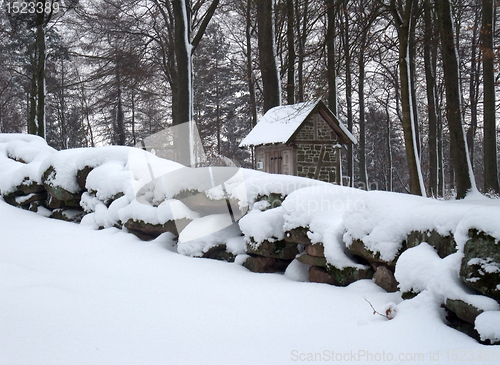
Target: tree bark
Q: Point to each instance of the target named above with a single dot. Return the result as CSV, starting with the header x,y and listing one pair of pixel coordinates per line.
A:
x,y
182,58
120,126
430,47
40,112
290,85
268,67
460,159
301,37
362,135
490,145
348,91
403,26
331,72
475,69
250,76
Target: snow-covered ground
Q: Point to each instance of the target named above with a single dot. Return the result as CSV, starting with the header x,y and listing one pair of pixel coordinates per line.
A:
x,y
74,295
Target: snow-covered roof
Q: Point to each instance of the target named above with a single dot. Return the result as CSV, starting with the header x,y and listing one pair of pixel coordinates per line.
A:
x,y
280,123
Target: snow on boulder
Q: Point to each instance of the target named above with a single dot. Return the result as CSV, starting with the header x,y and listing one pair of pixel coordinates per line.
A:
x,y
488,326
258,185
258,226
420,269
480,267
211,236
148,222
20,159
416,268
58,173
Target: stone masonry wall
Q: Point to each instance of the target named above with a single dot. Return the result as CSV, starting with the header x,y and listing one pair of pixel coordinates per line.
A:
x,y
316,135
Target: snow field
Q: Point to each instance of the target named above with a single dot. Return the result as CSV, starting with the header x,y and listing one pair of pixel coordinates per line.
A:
x,y
72,295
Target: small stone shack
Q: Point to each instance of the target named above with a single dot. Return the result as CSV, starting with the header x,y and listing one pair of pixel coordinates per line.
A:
x,y
303,139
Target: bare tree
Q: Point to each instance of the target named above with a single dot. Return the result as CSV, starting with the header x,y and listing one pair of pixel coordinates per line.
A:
x,y
267,56
490,142
459,154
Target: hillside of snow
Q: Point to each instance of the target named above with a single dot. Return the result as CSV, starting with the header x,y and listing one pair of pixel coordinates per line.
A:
x,y
93,293
73,295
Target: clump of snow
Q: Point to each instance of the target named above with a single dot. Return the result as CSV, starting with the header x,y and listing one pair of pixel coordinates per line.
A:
x,y
64,174
109,180
20,159
206,232
388,218
487,324
420,269
258,183
171,209
263,225
416,268
483,217
297,271
236,245
322,208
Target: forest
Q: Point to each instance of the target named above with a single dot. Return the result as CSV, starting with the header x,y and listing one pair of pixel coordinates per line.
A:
x,y
415,81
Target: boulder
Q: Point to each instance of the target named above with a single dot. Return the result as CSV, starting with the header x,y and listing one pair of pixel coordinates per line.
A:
x,y
277,249
444,245
25,193
319,275
25,201
219,253
30,188
275,200
147,231
465,311
316,250
61,196
480,268
81,176
263,264
385,279
349,274
312,260
68,215
358,248
298,236
199,202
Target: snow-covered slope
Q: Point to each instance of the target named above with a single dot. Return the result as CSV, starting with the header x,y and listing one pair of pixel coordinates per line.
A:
x,y
73,295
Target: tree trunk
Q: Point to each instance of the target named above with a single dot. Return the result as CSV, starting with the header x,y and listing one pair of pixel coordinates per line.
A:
x,y
430,47
32,122
361,89
182,58
413,88
64,134
120,127
268,67
331,72
389,149
301,37
459,154
181,97
290,85
250,76
403,26
473,89
490,143
348,91
40,112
